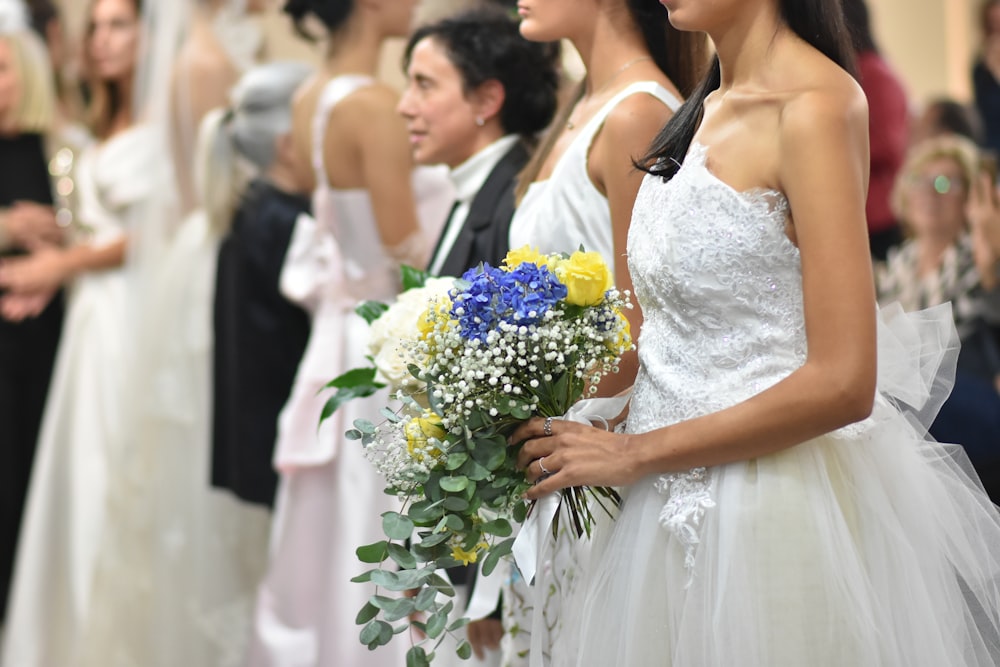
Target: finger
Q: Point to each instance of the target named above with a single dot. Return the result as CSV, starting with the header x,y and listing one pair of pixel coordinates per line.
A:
x,y
541,469
534,450
549,485
533,428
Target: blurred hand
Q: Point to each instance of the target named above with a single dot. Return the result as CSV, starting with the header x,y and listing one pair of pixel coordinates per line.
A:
x,y
44,270
19,307
983,211
30,225
484,635
991,55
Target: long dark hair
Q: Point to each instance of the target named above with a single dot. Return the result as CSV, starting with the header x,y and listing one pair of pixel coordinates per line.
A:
x,y
818,22
681,56
332,13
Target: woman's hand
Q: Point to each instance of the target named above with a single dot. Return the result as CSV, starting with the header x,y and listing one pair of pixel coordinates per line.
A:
x,y
44,270
20,307
983,212
569,454
484,635
29,225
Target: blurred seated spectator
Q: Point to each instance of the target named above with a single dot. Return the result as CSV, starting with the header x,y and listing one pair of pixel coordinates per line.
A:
x,y
888,127
947,257
986,74
944,116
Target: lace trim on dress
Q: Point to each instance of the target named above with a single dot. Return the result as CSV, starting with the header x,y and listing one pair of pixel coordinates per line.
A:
x,y
688,494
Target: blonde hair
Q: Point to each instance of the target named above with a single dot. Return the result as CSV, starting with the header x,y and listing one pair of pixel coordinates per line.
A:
x,y
962,151
35,109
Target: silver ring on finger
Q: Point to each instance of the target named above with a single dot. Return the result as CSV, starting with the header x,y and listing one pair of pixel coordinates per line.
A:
x,y
541,466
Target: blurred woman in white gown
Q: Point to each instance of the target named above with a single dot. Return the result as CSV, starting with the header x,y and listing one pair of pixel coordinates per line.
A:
x,y
119,181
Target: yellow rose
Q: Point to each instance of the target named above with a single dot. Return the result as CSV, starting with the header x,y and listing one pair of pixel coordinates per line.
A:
x,y
467,557
623,342
586,277
418,430
524,255
437,311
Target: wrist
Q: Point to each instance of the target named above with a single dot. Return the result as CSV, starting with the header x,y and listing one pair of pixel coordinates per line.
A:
x,y
640,456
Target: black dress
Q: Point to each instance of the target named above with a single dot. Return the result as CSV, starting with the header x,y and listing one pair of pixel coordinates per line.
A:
x,y
27,354
260,338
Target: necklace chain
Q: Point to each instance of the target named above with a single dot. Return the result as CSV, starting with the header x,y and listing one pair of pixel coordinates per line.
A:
x,y
570,125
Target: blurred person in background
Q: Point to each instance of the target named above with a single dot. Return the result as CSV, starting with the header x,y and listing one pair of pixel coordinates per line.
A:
x,y
888,127
947,257
986,73
945,116
122,182
29,324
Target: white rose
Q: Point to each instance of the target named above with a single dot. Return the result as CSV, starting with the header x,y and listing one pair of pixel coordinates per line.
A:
x,y
397,327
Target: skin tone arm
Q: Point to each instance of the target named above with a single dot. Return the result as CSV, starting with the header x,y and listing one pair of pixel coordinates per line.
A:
x,y
823,157
625,136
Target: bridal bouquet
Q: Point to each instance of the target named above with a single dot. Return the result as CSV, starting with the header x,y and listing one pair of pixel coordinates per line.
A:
x,y
485,353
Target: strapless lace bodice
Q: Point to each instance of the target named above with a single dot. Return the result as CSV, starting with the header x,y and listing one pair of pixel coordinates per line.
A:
x,y
719,283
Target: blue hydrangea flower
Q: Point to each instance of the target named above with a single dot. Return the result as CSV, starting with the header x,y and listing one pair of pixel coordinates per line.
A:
x,y
521,296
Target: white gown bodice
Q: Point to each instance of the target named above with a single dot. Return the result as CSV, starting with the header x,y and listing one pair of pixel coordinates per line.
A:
x,y
720,287
567,210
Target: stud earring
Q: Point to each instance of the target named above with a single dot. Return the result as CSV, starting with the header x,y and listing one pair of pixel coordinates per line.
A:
x,y
479,121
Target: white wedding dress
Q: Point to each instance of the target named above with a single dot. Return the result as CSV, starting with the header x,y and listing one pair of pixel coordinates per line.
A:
x,y
65,515
867,546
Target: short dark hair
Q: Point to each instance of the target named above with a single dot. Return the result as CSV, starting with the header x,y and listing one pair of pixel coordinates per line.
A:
x,y
485,45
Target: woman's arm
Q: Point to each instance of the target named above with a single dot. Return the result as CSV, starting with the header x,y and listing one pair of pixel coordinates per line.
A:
x,y
823,146
625,137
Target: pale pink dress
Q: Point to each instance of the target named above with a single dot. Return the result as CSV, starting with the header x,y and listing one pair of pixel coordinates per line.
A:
x,y
330,498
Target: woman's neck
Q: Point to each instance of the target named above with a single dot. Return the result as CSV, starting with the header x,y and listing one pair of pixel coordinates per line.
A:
x,y
354,49
744,45
613,42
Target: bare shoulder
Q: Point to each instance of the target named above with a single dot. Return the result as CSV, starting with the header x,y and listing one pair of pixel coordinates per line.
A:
x,y
828,103
639,115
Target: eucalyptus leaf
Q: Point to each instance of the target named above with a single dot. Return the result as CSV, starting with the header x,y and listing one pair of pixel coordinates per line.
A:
x,y
436,624
373,553
396,526
454,484
367,613
425,599
499,527
464,650
403,557
417,657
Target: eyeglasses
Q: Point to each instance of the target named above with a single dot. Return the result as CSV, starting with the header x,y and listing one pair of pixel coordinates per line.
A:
x,y
938,184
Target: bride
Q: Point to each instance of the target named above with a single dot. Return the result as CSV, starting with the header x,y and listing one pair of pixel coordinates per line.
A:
x,y
782,503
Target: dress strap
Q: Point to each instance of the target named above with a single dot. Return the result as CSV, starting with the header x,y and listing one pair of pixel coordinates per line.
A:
x,y
334,92
653,88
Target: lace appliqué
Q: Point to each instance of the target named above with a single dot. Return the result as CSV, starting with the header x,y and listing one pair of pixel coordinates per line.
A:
x,y
688,494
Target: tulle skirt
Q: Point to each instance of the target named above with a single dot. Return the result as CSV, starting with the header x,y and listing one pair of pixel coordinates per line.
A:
x,y
872,546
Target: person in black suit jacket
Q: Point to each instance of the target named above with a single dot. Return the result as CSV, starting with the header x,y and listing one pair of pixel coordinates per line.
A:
x,y
478,95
